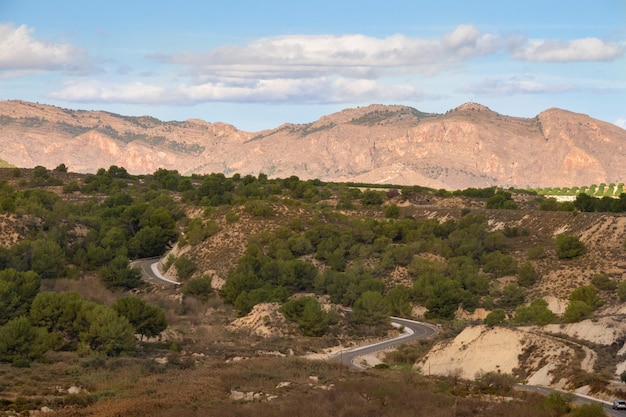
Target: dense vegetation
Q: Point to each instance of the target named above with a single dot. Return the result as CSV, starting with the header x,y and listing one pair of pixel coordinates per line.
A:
x,y
72,227
119,217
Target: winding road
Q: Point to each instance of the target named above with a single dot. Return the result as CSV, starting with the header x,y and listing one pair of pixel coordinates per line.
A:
x,y
578,398
413,330
416,330
150,271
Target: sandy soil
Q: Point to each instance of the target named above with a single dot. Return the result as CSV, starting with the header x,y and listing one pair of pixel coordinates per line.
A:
x,y
475,349
264,320
482,349
539,351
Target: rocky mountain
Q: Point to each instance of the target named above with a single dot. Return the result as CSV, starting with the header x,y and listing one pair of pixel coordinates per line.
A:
x,y
469,146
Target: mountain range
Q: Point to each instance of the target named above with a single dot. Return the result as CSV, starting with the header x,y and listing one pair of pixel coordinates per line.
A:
x,y
469,146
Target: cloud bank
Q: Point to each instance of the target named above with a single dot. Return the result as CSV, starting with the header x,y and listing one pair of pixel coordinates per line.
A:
x,y
21,53
300,68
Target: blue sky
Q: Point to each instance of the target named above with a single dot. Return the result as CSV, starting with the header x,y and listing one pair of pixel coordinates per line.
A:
x,y
259,64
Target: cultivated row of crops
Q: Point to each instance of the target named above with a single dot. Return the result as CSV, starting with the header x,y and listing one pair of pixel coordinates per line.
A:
x,y
602,190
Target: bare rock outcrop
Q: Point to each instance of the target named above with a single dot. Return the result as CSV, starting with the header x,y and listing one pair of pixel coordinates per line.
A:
x,y
469,146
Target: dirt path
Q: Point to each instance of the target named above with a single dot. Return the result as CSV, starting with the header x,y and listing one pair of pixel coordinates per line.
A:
x,y
589,361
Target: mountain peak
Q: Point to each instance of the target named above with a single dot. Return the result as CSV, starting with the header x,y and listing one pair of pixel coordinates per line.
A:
x,y
472,107
469,146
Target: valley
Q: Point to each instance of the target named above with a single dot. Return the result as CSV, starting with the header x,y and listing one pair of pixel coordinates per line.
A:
x,y
266,268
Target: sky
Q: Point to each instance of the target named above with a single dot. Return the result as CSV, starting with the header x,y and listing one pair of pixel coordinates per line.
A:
x,y
259,64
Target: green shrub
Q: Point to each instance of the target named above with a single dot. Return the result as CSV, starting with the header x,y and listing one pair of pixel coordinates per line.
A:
x,y
577,311
588,294
408,353
372,197
185,268
117,275
536,313
309,314
392,211
21,341
621,291
231,218
569,247
511,296
602,282
498,264
497,316
370,309
527,275
147,320
501,200
71,187
259,208
199,287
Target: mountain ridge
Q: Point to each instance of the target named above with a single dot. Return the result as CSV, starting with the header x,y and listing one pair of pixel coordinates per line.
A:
x,y
468,146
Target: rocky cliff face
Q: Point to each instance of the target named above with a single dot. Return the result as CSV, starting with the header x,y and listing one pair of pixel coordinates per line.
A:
x,y
470,146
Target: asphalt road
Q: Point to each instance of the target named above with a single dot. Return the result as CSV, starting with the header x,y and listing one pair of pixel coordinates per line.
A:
x,y
578,399
412,330
416,330
150,272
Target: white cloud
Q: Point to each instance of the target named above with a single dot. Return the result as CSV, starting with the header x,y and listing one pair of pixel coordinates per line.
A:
x,y
333,69
324,68
516,85
315,90
96,91
577,50
20,53
356,56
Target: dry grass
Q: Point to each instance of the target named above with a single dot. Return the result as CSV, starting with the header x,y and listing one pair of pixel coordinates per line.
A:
x,y
314,388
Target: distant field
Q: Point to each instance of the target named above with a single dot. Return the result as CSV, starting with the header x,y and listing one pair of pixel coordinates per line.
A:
x,y
601,190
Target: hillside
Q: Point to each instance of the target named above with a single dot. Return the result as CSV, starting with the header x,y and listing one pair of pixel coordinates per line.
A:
x,y
243,246
469,146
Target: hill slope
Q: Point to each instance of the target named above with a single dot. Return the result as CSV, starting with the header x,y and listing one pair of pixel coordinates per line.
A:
x,y
469,146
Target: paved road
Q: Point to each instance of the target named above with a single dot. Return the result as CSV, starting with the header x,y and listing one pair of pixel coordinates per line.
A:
x,y
150,272
416,330
412,330
578,399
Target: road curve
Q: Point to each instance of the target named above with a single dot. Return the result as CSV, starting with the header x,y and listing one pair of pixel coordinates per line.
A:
x,y
150,272
413,330
416,330
578,398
